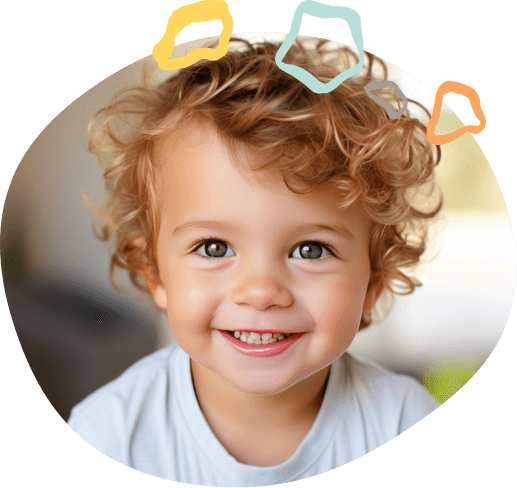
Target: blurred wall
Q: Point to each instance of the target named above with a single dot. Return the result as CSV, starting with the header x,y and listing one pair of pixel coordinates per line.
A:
x,y
459,312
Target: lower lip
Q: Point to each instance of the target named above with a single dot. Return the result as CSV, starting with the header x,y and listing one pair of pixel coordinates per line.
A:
x,y
262,350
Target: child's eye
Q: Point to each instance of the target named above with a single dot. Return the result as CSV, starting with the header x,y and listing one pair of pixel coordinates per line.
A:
x,y
214,248
311,250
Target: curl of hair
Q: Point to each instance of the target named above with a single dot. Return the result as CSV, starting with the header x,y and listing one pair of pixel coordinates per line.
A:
x,y
306,138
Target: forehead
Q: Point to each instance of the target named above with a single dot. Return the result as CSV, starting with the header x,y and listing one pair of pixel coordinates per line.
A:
x,y
199,178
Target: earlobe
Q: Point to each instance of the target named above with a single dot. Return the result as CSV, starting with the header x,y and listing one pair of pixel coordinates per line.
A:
x,y
160,296
156,287
371,297
151,277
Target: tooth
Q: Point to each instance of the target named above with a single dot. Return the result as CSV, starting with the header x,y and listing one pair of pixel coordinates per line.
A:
x,y
256,338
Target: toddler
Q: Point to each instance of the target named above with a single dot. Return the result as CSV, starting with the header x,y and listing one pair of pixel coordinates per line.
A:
x,y
266,220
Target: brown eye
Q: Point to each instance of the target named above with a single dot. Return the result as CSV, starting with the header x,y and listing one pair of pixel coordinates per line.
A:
x,y
215,249
310,250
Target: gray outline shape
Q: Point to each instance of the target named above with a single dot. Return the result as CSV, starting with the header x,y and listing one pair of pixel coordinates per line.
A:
x,y
375,85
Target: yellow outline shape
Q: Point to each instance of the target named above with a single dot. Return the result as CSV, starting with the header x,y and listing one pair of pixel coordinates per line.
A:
x,y
202,11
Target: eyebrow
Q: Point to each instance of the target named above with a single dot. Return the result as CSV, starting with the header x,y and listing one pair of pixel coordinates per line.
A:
x,y
223,226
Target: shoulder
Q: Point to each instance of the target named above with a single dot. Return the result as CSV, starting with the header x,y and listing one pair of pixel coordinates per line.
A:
x,y
107,416
390,395
139,379
377,379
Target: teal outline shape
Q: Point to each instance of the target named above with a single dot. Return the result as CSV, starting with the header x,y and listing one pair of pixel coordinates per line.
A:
x,y
321,11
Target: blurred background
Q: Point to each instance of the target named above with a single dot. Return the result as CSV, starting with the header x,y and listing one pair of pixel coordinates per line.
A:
x,y
78,333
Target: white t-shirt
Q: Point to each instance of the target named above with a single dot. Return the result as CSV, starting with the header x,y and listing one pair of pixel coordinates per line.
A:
x,y
149,419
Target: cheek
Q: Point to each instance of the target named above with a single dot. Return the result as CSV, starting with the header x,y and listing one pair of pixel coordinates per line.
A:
x,y
191,303
187,301
196,297
336,306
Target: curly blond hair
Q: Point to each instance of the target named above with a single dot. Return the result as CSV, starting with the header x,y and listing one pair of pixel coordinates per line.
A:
x,y
307,138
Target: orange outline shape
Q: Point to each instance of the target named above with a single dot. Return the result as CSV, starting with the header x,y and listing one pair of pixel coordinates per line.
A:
x,y
475,103
202,11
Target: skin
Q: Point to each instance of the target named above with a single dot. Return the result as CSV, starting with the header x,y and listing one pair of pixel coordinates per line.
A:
x,y
259,408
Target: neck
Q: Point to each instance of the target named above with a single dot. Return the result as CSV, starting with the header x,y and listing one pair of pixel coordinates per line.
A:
x,y
219,399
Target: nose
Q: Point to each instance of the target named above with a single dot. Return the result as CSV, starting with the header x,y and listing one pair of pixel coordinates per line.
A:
x,y
262,292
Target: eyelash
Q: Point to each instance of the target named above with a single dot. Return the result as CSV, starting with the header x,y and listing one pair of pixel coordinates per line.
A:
x,y
330,248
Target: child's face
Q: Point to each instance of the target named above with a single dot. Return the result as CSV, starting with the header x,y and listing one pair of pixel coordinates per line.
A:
x,y
268,269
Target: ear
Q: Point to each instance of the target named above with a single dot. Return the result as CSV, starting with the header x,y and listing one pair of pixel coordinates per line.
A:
x,y
152,279
154,283
371,296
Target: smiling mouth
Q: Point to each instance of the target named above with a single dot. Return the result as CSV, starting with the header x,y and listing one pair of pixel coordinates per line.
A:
x,y
263,337
260,332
